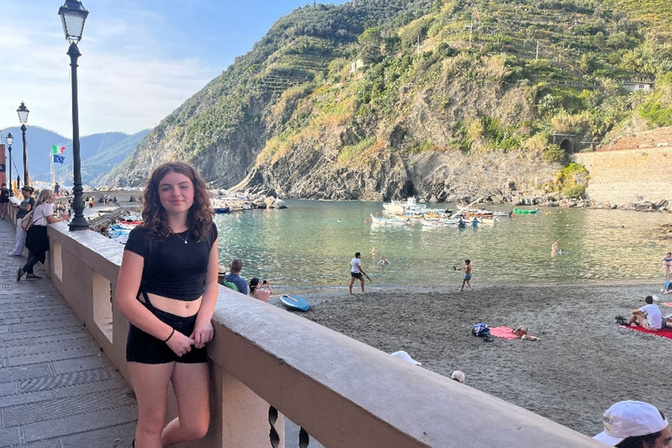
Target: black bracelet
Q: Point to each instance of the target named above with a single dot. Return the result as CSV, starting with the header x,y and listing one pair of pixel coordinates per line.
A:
x,y
171,335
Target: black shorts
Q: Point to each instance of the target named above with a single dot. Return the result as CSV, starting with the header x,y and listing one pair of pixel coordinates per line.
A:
x,y
356,275
146,349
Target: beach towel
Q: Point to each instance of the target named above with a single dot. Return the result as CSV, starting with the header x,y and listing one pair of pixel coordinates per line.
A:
x,y
667,303
664,333
503,332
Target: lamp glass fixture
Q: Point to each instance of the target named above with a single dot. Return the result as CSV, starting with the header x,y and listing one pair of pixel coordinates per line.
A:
x,y
10,139
73,15
23,113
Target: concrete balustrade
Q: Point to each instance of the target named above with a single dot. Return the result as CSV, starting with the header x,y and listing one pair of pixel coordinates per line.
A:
x,y
344,393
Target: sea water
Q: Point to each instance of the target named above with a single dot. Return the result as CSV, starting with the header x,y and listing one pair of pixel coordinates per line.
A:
x,y
310,245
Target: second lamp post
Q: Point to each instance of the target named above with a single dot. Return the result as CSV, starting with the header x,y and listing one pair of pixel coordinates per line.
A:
x,y
10,140
23,119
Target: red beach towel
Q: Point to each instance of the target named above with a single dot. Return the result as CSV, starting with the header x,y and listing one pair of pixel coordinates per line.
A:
x,y
503,332
664,333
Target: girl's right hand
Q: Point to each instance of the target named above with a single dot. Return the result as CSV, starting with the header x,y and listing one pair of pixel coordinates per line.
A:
x,y
180,344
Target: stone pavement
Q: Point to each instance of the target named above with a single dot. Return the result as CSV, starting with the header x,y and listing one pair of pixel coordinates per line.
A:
x,y
57,389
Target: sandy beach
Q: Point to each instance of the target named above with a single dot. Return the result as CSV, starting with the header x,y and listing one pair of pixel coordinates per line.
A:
x,y
583,363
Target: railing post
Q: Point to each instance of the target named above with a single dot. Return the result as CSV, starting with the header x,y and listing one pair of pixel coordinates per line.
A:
x,y
239,417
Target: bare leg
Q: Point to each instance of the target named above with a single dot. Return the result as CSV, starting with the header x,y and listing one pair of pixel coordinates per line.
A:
x,y
150,383
639,320
352,282
462,287
191,386
362,282
469,284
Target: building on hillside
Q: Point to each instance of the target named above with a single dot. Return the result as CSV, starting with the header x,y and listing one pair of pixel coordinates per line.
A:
x,y
359,63
638,84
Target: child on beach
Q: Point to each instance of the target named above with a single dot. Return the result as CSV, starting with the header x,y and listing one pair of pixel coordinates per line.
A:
x,y
667,265
467,274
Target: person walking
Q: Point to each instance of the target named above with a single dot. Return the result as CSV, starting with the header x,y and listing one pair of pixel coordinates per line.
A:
x,y
467,275
356,272
37,239
4,200
24,207
167,289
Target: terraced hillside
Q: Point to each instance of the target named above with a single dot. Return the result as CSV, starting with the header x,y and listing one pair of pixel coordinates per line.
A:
x,y
377,100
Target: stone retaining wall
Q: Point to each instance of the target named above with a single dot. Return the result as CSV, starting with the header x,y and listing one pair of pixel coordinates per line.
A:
x,y
626,176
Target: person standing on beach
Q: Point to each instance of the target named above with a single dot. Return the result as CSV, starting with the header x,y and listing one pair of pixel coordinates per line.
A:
x,y
467,274
356,271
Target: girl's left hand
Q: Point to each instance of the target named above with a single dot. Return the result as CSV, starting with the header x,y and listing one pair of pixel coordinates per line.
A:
x,y
203,333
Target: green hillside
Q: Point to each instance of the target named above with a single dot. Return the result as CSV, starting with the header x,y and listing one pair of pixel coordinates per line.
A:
x,y
365,88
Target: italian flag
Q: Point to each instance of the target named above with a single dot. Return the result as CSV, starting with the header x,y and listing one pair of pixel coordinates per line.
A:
x,y
57,149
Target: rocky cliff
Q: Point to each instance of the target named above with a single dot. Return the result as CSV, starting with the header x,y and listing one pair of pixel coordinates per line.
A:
x,y
445,100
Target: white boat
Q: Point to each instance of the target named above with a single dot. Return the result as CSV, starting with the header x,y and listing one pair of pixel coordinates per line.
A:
x,y
387,221
408,207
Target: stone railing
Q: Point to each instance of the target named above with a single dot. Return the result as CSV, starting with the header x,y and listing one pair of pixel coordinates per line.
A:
x,y
344,393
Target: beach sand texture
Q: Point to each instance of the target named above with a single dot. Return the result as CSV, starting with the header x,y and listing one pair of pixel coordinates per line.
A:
x,y
583,363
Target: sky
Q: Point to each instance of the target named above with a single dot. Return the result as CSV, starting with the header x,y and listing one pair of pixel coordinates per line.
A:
x,y
140,59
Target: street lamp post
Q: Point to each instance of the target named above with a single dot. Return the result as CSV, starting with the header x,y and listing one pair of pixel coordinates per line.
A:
x,y
23,119
73,15
10,140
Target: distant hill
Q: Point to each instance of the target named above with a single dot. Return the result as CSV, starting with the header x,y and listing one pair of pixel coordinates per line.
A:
x,y
99,153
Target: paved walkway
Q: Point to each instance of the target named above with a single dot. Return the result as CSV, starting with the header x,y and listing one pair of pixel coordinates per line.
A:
x,y
57,389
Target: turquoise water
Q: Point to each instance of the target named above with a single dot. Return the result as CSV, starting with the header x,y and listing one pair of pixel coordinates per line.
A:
x,y
305,246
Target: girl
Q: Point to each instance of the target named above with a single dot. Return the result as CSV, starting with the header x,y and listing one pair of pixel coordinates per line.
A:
x,y
37,240
167,290
261,292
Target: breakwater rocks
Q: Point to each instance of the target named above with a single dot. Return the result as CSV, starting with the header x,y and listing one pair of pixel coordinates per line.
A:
x,y
553,201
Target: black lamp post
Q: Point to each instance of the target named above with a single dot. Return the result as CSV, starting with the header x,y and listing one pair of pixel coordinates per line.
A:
x,y
73,15
23,119
10,140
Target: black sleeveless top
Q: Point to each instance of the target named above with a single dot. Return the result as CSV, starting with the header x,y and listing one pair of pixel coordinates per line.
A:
x,y
172,268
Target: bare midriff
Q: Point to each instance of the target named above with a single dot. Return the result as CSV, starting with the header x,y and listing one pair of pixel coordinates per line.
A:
x,y
173,306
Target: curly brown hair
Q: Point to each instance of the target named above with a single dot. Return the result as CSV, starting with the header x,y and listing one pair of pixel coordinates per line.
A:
x,y
155,220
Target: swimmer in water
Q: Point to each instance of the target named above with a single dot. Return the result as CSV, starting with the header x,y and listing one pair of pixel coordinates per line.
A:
x,y
383,261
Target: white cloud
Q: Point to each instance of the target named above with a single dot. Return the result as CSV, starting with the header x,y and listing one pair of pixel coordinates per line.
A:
x,y
128,79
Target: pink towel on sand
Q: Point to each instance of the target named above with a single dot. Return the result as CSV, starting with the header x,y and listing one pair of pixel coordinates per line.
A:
x,y
667,303
503,332
664,333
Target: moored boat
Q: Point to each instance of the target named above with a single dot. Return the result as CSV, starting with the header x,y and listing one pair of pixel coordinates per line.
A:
x,y
387,221
408,207
520,211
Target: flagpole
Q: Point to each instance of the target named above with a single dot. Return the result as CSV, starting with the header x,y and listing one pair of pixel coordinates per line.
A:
x,y
52,168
